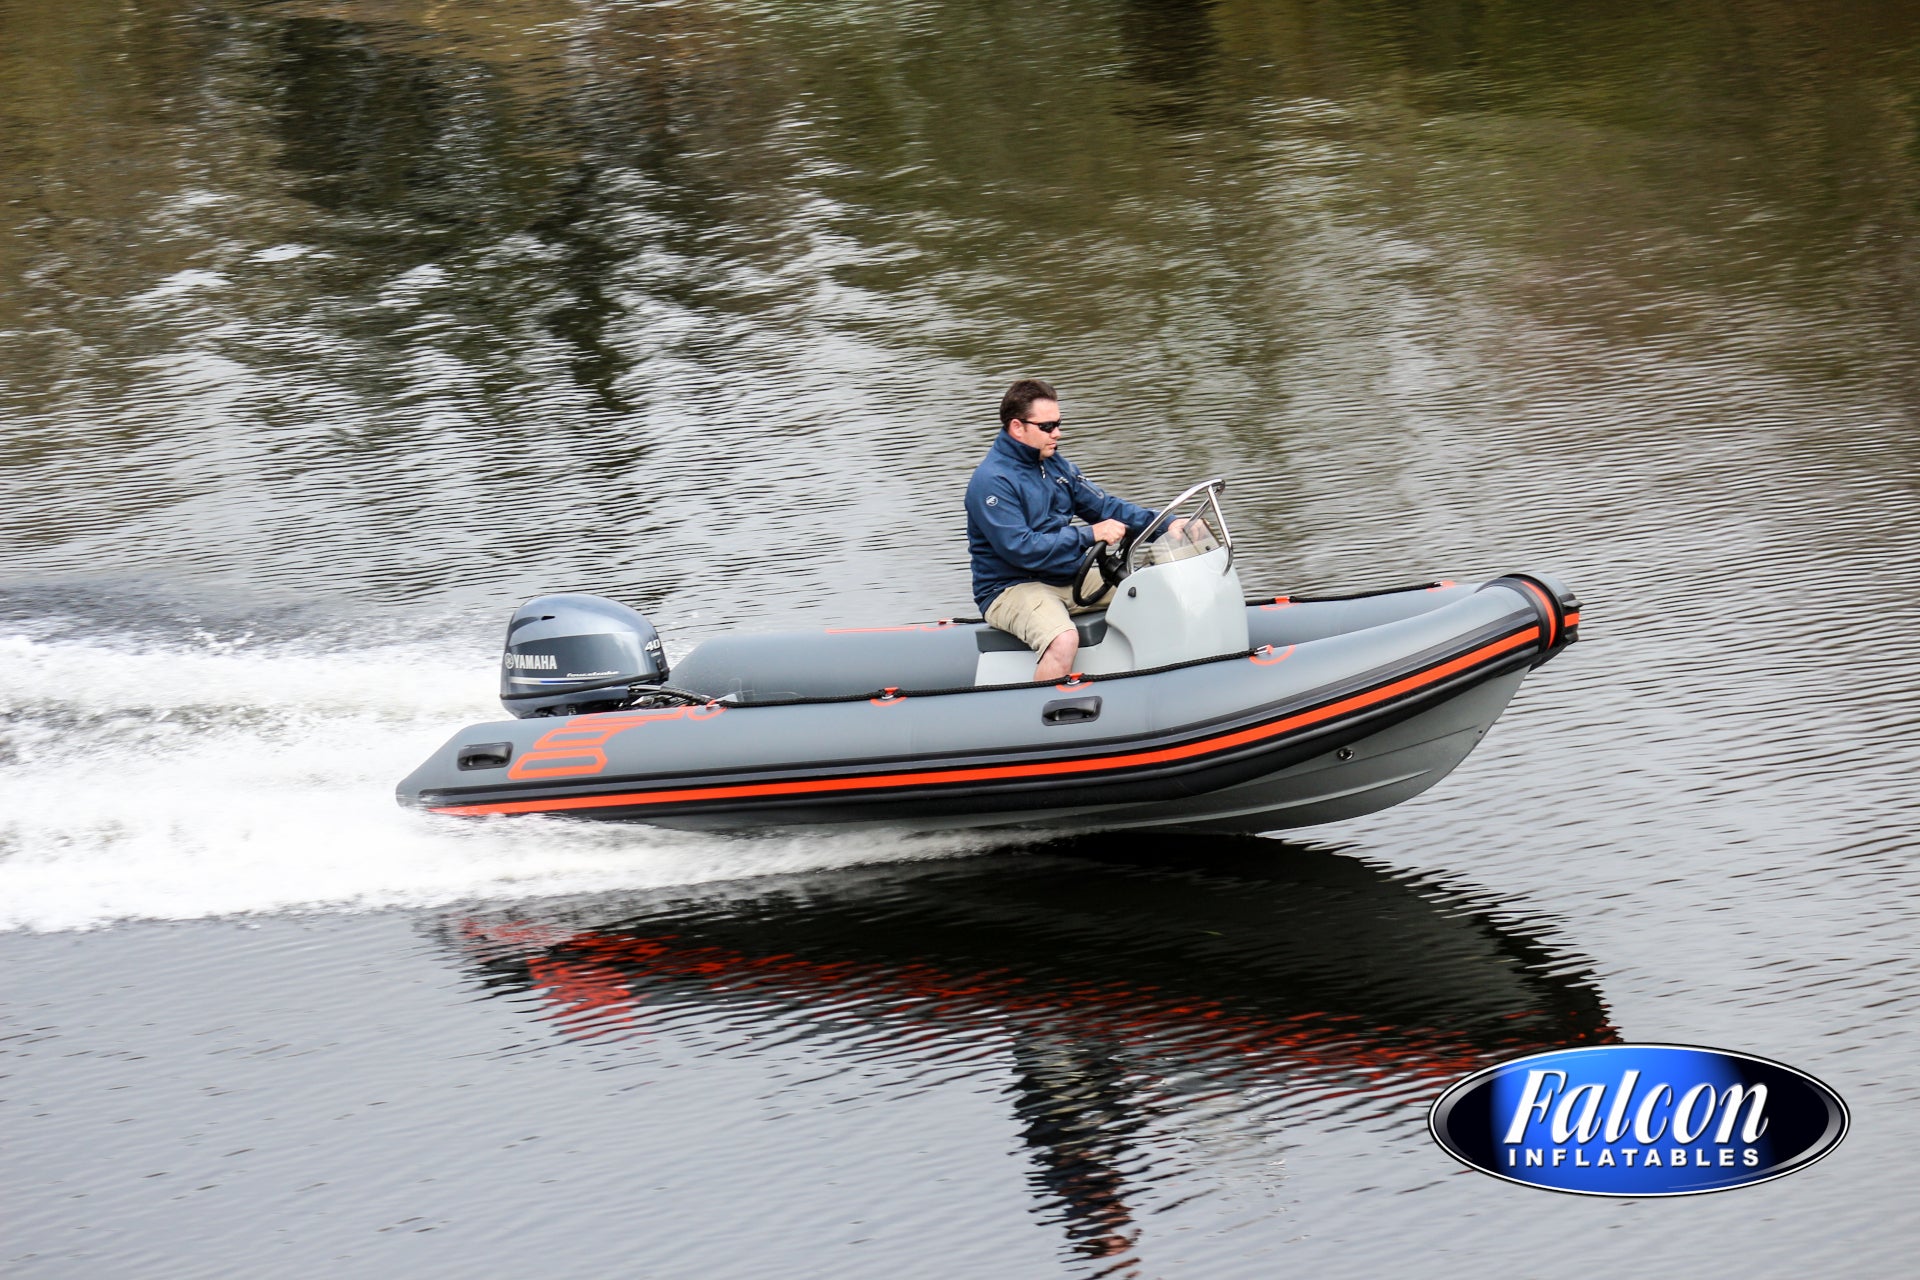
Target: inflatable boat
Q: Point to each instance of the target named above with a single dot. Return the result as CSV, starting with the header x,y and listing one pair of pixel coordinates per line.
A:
x,y
1194,706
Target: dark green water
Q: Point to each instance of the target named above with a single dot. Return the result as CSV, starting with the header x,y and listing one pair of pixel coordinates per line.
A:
x,y
331,331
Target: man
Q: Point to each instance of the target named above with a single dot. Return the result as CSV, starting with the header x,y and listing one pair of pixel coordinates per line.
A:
x,y
1020,508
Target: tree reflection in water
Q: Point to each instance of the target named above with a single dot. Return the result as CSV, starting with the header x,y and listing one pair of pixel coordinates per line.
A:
x,y
1241,985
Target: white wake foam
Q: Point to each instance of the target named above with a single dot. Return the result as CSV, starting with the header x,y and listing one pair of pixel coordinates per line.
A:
x,y
218,779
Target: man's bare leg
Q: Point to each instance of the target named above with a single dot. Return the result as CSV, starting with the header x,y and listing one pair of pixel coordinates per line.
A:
x,y
1057,661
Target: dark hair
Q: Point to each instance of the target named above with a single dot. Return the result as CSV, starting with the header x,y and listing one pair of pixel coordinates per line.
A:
x,y
1020,397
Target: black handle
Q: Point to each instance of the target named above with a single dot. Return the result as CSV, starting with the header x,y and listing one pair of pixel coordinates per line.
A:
x,y
485,755
1071,710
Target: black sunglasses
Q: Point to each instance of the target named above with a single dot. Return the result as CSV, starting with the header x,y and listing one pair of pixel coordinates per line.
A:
x,y
1051,428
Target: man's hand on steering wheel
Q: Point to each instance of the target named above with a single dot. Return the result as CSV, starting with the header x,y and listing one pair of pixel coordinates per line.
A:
x,y
1107,537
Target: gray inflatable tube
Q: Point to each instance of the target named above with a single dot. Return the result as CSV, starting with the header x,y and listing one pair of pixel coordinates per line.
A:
x,y
1336,707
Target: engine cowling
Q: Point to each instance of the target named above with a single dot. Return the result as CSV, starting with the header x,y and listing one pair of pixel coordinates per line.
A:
x,y
570,654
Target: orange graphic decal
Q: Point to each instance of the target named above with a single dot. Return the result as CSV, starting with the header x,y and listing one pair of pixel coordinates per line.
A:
x,y
574,748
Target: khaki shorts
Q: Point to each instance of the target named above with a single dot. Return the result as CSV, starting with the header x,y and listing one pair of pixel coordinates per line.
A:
x,y
1038,613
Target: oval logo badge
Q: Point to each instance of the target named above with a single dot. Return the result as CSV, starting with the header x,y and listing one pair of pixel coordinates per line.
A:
x,y
1638,1120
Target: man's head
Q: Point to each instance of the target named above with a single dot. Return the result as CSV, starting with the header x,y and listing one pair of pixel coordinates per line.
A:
x,y
1030,413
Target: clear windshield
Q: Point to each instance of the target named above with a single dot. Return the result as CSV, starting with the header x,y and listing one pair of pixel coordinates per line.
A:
x,y
1191,525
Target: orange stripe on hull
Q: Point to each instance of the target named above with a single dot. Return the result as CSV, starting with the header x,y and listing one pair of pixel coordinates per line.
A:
x,y
1548,628
998,773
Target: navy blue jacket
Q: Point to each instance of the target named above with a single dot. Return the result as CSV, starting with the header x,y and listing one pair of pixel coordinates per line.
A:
x,y
1020,514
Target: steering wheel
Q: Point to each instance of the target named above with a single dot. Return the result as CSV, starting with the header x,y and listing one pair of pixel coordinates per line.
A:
x,y
1109,558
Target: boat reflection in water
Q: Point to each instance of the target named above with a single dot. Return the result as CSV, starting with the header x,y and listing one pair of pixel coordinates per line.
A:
x,y
1135,986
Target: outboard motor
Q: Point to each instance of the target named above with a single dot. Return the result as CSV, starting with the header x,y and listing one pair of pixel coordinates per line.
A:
x,y
570,654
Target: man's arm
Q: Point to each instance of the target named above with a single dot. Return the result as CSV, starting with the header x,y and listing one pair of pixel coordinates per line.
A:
x,y
995,506
1094,504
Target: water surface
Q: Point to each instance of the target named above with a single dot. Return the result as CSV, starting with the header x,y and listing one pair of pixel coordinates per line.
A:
x,y
335,330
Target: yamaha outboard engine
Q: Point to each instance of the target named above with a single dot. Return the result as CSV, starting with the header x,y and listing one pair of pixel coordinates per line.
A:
x,y
570,654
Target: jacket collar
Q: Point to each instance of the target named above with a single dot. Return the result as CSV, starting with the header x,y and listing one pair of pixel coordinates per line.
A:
x,y
1007,445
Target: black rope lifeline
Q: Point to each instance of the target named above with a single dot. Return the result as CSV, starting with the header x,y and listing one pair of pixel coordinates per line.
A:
x,y
1353,595
893,693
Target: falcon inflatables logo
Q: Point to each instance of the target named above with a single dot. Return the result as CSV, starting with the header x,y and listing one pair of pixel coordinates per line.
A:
x,y
1639,1120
